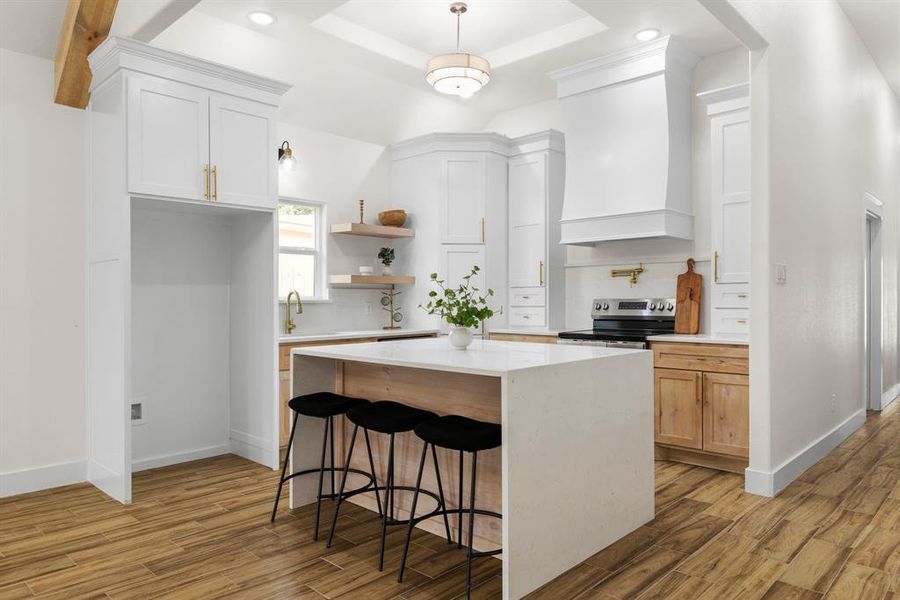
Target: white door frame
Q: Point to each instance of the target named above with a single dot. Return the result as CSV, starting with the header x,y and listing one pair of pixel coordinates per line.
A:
x,y
874,377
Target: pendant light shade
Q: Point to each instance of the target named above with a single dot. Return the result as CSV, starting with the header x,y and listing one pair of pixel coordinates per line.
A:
x,y
460,73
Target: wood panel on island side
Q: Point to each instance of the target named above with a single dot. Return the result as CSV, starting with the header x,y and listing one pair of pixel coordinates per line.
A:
x,y
201,530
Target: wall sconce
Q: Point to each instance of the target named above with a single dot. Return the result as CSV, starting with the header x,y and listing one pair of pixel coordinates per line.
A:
x,y
286,160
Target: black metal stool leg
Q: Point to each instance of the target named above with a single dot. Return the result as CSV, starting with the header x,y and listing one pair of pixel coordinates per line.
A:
x,y
443,506
471,529
321,476
374,479
331,426
337,506
459,516
284,467
389,510
412,512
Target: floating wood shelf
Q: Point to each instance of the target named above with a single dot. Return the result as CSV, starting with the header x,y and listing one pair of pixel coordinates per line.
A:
x,y
379,231
370,280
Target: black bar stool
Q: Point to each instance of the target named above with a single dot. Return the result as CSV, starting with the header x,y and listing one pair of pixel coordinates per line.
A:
x,y
324,405
465,435
390,418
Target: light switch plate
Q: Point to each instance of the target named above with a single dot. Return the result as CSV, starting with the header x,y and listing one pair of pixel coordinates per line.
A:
x,y
780,273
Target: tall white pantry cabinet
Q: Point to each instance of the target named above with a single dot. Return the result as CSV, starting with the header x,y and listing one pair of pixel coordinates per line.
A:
x,y
182,238
729,122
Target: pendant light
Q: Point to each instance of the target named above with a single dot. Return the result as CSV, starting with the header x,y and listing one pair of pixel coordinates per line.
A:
x,y
460,73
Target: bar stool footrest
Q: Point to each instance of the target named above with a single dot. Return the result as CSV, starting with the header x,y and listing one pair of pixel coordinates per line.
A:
x,y
365,488
403,488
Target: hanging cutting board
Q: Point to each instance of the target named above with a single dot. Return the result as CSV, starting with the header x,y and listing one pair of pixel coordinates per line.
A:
x,y
687,301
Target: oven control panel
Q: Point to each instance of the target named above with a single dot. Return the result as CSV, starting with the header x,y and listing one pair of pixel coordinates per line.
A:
x,y
633,307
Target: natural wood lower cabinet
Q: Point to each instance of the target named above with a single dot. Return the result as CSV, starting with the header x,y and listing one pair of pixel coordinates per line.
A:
x,y
534,338
284,414
702,417
679,414
726,414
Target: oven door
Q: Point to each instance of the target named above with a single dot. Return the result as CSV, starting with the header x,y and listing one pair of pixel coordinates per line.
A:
x,y
582,342
636,345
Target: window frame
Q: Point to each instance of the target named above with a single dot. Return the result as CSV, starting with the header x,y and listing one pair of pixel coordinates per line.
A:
x,y
319,252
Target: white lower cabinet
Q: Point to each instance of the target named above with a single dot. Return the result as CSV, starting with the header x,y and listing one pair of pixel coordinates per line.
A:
x,y
527,317
731,321
458,260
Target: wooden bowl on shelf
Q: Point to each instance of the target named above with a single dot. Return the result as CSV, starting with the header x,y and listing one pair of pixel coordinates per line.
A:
x,y
392,218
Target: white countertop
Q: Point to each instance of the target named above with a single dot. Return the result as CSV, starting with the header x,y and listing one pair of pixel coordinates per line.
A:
x,y
350,335
702,338
547,332
481,358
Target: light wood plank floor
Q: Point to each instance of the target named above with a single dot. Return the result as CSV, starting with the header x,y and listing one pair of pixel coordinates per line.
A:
x,y
201,530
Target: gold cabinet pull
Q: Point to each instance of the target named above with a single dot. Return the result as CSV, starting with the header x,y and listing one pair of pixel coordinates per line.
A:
x,y
206,182
742,321
716,265
215,178
541,273
482,230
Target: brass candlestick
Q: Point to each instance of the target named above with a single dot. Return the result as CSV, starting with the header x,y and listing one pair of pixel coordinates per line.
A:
x,y
362,204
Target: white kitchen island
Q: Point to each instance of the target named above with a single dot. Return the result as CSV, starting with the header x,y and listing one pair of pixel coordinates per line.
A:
x,y
574,474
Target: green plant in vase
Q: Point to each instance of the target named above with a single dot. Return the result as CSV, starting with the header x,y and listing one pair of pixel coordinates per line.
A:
x,y
462,307
386,256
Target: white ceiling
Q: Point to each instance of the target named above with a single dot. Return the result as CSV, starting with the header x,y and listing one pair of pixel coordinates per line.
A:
x,y
31,26
878,24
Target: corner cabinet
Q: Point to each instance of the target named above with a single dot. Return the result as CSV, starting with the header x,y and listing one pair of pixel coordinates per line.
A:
x,y
729,123
536,258
702,404
186,142
464,182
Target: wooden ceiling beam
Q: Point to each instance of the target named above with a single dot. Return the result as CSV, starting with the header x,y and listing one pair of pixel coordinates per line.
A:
x,y
85,26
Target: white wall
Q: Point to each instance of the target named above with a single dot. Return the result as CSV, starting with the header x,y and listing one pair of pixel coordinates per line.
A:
x,y
587,272
826,129
181,278
339,171
42,295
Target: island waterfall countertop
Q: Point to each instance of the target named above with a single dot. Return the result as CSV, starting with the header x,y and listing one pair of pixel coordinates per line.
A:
x,y
575,469
483,357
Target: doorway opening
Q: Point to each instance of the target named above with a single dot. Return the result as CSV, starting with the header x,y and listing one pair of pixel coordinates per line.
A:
x,y
873,290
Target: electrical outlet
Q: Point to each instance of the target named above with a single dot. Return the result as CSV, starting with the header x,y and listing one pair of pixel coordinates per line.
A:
x,y
138,411
834,403
780,273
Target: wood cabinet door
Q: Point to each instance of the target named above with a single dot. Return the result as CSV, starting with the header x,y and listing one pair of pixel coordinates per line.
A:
x,y
678,406
168,138
731,196
527,220
285,415
242,153
463,198
726,414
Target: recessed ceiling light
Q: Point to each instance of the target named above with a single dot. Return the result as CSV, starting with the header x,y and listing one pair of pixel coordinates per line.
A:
x,y
645,35
259,17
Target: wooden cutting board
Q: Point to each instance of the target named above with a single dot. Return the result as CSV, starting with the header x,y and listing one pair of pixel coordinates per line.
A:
x,y
687,301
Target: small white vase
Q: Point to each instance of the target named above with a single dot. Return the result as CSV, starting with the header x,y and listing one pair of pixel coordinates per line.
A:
x,y
386,270
460,337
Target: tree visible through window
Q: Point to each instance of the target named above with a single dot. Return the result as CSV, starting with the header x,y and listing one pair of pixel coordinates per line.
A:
x,y
299,248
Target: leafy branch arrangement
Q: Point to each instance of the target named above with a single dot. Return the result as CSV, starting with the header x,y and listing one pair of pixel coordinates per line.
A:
x,y
461,306
386,256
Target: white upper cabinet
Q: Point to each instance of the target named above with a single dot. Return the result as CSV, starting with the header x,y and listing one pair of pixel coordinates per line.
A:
x,y
462,199
730,210
242,139
527,220
168,138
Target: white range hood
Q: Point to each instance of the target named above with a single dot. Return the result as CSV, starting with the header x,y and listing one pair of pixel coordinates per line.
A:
x,y
628,144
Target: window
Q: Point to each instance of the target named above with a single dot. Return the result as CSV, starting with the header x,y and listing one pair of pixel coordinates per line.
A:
x,y
300,249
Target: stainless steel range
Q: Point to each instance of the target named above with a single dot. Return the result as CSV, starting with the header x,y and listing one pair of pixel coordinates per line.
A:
x,y
625,322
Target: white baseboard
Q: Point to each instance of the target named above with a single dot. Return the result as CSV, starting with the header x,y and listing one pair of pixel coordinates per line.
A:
x,y
254,448
42,478
889,396
763,483
179,457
